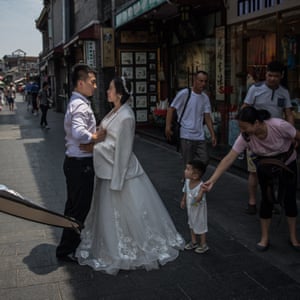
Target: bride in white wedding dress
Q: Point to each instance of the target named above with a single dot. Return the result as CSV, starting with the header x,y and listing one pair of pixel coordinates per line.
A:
x,y
128,226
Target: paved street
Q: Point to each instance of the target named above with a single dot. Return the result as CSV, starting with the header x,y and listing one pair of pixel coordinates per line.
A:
x,y
31,163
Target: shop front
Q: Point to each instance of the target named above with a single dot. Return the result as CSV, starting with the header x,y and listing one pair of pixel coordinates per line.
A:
x,y
266,34
161,49
138,60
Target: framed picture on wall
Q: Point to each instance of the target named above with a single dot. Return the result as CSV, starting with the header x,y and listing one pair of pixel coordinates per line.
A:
x,y
152,88
140,72
142,115
152,55
141,101
127,72
126,58
140,58
152,77
152,66
153,99
141,87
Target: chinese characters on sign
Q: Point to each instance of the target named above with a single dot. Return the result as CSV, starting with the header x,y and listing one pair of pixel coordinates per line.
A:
x,y
90,53
134,10
220,62
108,47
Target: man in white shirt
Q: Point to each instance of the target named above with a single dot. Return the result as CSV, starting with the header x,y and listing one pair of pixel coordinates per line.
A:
x,y
198,109
80,129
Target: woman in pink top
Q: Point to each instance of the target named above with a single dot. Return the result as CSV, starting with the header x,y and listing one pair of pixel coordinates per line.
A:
x,y
271,141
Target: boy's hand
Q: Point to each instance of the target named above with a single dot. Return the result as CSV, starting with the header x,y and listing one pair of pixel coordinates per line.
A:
x,y
182,203
199,197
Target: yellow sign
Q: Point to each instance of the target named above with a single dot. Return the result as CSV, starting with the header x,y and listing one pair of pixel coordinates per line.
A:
x,y
108,47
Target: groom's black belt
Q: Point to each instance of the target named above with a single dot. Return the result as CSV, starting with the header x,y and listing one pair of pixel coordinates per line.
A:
x,y
79,158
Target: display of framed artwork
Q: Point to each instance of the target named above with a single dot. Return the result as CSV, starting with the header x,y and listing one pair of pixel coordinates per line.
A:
x,y
126,58
152,77
153,99
152,66
140,87
140,72
140,58
141,115
127,72
152,56
141,68
152,88
141,101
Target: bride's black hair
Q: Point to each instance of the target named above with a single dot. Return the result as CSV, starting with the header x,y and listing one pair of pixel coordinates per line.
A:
x,y
123,87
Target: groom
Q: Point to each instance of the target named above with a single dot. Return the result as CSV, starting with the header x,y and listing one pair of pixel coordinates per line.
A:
x,y
80,128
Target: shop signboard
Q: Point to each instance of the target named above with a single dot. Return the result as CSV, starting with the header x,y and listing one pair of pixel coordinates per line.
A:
x,y
90,53
108,47
134,10
220,63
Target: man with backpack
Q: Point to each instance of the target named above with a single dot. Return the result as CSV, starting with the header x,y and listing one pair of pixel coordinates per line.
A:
x,y
197,111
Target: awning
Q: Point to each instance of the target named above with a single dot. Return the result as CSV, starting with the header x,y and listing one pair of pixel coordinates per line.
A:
x,y
135,10
90,32
20,80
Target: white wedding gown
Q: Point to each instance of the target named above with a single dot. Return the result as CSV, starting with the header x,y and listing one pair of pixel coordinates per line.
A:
x,y
129,229
128,226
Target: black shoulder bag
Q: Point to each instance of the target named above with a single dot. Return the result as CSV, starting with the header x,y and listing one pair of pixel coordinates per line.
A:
x,y
176,124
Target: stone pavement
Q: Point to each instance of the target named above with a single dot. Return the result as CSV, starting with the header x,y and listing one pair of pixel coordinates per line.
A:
x,y
31,163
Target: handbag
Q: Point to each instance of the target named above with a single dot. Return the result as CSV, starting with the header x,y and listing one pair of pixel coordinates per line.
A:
x,y
176,124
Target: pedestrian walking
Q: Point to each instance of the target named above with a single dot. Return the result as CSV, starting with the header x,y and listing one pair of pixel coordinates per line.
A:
x,y
34,90
197,111
11,96
28,99
44,103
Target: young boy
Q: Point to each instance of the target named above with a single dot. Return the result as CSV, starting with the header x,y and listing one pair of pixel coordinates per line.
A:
x,y
195,201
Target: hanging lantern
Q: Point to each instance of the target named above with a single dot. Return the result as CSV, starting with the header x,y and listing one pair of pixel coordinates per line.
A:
x,y
151,27
184,11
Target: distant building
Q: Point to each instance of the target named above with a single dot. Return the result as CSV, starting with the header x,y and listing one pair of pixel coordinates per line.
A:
x,y
17,66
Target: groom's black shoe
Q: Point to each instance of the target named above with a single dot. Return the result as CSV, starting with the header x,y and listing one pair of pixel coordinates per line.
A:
x,y
68,258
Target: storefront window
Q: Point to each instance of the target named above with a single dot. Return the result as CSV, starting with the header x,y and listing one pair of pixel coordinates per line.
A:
x,y
290,50
265,51
193,57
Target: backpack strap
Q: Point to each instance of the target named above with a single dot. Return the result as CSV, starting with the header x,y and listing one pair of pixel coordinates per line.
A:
x,y
185,104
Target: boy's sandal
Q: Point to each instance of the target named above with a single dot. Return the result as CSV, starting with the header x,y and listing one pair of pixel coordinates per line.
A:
x,y
190,246
202,249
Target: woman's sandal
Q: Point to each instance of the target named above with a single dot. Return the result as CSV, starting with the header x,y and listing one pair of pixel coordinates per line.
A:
x,y
262,248
295,247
